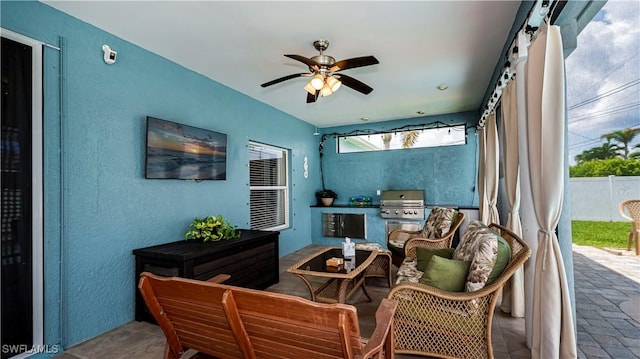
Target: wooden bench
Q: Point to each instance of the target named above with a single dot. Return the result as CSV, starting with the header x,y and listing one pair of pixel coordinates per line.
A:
x,y
231,322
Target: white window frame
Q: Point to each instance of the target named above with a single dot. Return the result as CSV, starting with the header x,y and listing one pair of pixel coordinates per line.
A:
x,y
425,137
283,188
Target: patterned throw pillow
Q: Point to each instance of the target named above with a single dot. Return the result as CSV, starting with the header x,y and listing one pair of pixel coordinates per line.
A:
x,y
479,245
439,222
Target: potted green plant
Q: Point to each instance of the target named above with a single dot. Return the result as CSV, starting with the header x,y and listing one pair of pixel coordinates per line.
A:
x,y
326,197
211,228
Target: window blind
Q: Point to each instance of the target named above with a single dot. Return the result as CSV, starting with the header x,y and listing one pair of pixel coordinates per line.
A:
x,y
268,187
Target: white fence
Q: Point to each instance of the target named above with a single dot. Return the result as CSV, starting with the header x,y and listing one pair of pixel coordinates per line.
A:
x,y
598,198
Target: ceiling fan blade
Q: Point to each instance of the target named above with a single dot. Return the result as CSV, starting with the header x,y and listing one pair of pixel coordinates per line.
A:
x,y
285,78
306,61
354,62
355,84
312,98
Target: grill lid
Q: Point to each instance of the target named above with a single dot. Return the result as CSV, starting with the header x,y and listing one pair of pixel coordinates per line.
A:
x,y
402,198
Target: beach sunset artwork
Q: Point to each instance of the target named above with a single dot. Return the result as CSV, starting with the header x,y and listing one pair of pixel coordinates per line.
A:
x,y
177,151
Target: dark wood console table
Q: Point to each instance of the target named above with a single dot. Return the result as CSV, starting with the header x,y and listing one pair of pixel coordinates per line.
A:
x,y
251,260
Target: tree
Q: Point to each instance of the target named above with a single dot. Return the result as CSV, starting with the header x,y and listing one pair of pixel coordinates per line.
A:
x,y
386,140
606,167
621,149
607,150
624,139
409,138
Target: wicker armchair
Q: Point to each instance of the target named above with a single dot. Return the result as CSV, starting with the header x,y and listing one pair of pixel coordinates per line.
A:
x,y
398,253
432,322
630,209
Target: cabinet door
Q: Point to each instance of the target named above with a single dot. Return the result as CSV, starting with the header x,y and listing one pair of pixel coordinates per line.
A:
x,y
331,225
354,225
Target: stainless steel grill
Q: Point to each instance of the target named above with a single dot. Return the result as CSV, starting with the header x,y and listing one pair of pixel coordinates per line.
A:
x,y
405,204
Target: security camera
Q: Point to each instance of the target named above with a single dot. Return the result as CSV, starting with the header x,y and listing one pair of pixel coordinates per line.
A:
x,y
109,55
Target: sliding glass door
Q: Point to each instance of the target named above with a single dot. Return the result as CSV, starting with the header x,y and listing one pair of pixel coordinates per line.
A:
x,y
21,230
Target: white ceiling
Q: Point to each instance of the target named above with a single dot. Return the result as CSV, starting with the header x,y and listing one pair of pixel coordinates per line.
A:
x,y
420,44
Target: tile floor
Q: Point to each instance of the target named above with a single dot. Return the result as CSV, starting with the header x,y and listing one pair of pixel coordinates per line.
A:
x,y
607,305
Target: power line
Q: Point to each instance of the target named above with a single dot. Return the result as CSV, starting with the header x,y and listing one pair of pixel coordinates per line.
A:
x,y
588,142
610,111
593,140
579,135
606,94
583,143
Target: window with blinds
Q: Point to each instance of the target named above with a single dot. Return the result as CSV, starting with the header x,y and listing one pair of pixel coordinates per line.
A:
x,y
269,187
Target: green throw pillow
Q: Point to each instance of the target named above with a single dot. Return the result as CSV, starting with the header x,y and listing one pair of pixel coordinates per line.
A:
x,y
446,274
504,255
423,255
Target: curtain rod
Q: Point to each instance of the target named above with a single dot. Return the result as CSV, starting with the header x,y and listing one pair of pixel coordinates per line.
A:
x,y
538,12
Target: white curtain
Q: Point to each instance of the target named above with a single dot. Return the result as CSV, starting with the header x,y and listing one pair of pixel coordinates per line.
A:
x,y
491,169
527,213
553,334
483,215
513,292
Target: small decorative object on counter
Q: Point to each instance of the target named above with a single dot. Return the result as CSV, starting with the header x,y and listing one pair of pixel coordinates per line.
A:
x,y
360,201
326,197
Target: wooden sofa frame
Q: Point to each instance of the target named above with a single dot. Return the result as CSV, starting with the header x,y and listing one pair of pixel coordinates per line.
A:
x,y
231,322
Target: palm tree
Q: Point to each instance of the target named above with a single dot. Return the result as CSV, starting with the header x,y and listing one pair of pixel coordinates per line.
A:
x,y
409,138
636,154
607,150
386,140
624,139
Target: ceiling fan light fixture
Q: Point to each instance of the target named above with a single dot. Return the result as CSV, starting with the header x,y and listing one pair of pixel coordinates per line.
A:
x,y
334,83
325,91
317,82
310,88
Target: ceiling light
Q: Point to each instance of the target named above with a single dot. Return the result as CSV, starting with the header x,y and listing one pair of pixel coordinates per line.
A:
x,y
325,91
442,87
333,83
310,88
317,81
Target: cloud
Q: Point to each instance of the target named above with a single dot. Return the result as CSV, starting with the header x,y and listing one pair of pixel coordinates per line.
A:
x,y
603,80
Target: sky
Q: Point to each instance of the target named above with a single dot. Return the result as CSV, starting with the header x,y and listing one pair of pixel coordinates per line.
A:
x,y
603,77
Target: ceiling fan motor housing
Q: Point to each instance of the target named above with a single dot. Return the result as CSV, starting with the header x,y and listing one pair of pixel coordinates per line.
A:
x,y
322,59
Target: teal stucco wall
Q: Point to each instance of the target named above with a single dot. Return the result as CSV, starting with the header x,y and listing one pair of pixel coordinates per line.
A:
x,y
98,205
446,174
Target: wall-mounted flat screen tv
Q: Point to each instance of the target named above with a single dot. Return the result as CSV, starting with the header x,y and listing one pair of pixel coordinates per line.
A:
x,y
177,151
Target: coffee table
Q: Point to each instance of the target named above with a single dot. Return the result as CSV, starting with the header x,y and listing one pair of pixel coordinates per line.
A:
x,y
341,282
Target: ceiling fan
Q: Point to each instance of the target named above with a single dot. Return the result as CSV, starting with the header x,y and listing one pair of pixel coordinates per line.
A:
x,y
323,70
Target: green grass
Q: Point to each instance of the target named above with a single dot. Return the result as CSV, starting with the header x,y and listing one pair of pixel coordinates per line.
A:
x,y
601,234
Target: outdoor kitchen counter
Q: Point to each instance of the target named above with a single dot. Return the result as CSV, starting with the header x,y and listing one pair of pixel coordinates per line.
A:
x,y
428,205
338,205
375,225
